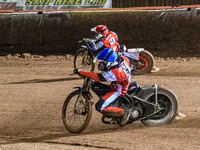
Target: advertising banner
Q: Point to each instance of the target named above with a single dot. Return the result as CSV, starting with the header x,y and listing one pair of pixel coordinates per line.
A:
x,y
53,4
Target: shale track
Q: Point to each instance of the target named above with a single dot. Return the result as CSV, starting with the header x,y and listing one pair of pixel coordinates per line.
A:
x,y
33,91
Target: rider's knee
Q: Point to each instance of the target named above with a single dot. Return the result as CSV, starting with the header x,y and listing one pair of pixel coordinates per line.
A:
x,y
99,104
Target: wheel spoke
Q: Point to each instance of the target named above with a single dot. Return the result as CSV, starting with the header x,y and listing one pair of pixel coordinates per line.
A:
x,y
75,117
164,106
70,119
83,60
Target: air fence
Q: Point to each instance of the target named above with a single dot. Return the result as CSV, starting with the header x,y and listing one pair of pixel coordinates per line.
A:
x,y
149,3
165,32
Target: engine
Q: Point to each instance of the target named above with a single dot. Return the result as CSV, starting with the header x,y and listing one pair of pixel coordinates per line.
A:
x,y
136,114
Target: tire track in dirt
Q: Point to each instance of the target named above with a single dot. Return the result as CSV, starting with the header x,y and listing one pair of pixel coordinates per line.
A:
x,y
79,145
32,96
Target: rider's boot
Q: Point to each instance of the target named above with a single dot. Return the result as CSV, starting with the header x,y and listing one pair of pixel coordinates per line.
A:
x,y
108,120
125,117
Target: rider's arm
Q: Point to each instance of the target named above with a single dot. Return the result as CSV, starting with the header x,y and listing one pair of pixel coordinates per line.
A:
x,y
95,76
98,46
100,77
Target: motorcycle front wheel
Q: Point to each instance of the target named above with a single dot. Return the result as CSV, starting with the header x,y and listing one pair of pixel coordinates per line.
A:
x,y
76,112
83,60
168,105
144,65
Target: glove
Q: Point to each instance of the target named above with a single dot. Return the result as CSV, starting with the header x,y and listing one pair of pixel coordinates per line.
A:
x,y
90,45
76,71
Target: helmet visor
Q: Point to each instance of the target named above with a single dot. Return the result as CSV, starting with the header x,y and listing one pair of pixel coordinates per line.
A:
x,y
93,29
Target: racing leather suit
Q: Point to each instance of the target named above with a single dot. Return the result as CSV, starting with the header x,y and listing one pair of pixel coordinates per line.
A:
x,y
109,41
120,80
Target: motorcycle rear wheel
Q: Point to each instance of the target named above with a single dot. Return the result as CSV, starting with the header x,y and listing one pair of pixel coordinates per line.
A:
x,y
84,61
145,65
168,102
76,112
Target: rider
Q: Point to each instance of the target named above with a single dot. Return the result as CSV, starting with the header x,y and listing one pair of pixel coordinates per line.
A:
x,y
115,69
105,39
108,39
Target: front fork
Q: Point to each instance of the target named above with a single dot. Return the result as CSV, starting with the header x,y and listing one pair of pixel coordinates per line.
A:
x,y
80,106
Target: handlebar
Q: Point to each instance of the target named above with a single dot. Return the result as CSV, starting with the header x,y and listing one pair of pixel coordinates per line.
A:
x,y
92,40
89,43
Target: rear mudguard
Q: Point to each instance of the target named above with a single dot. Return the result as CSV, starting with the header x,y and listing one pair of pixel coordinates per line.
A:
x,y
143,91
135,50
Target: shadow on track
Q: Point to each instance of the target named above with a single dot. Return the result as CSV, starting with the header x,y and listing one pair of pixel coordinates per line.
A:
x,y
62,133
45,81
11,138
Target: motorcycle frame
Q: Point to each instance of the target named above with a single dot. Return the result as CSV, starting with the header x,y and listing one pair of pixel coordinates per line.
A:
x,y
85,90
132,50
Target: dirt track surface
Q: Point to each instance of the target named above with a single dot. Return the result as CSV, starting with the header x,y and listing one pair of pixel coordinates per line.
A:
x,y
33,91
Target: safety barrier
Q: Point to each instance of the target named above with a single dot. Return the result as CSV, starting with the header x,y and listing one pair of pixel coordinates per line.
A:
x,y
166,32
146,3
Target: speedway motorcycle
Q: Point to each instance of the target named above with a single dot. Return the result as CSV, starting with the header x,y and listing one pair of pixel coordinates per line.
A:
x,y
141,61
152,105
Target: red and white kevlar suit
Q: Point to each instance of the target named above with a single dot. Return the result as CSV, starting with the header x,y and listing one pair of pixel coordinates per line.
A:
x,y
109,41
120,80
